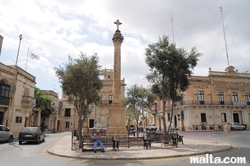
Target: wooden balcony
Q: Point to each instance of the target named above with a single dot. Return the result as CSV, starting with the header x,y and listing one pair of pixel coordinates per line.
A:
x,y
4,101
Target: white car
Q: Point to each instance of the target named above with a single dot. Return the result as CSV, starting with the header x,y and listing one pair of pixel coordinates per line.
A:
x,y
5,134
151,127
237,126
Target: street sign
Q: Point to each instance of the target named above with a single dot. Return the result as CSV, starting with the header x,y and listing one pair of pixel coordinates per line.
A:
x,y
13,88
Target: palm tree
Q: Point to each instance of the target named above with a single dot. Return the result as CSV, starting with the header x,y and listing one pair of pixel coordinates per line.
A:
x,y
39,98
47,109
44,102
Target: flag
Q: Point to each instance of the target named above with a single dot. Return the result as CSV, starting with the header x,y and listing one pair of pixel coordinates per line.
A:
x,y
34,56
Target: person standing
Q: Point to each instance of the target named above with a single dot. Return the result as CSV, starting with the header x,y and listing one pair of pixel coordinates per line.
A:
x,y
97,140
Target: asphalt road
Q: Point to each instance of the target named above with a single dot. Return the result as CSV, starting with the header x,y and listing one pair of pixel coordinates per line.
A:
x,y
13,154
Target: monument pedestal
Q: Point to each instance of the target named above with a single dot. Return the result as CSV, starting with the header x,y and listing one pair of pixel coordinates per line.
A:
x,y
117,120
85,129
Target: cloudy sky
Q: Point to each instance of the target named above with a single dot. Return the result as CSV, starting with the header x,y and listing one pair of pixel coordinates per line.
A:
x,y
59,28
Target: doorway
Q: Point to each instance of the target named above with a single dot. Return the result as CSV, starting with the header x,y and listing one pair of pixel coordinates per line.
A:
x,y
58,125
175,121
1,117
236,117
91,123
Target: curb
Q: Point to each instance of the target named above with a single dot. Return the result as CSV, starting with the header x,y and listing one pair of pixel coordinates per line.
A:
x,y
141,158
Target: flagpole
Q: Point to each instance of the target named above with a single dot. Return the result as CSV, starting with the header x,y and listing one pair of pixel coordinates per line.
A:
x,y
27,59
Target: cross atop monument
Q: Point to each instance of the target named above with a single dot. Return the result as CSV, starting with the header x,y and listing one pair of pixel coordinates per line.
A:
x,y
117,23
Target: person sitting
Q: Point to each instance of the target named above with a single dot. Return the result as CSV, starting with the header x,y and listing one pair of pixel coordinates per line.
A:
x,y
97,140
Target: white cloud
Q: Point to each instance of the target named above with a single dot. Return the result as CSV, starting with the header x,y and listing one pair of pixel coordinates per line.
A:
x,y
58,28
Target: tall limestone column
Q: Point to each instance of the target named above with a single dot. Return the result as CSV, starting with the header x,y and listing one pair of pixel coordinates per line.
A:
x,y
117,40
117,116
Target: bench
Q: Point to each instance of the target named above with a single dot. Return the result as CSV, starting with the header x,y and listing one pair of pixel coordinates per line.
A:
x,y
126,142
115,141
168,138
154,137
180,138
88,142
147,143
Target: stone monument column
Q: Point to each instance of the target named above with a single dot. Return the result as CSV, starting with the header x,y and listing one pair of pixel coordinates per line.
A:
x,y
117,40
117,119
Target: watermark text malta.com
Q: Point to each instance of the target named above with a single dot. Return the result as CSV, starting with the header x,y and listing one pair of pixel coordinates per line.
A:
x,y
209,159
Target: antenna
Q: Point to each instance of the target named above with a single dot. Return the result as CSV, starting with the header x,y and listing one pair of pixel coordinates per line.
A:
x,y
172,27
224,37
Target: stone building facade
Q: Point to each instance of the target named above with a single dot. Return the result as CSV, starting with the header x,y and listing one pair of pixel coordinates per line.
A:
x,y
17,98
212,101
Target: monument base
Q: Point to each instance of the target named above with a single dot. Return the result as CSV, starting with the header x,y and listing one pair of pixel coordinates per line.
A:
x,y
117,120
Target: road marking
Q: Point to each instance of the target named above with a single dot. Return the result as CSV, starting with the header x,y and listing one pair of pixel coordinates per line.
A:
x,y
235,148
44,151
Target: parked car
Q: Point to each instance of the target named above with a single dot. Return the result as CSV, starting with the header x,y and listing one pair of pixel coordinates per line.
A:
x,y
151,127
237,126
140,128
6,134
31,134
131,128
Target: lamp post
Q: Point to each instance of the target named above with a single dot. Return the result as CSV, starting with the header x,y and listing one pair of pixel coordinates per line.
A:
x,y
13,87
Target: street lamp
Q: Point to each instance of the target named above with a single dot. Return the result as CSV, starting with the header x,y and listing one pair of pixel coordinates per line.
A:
x,y
13,87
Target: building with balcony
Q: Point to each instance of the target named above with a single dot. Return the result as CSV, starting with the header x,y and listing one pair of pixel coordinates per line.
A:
x,y
214,100
16,97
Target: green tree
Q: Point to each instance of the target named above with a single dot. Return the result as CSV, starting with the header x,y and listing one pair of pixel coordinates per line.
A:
x,y
39,97
80,79
138,99
44,102
170,68
47,109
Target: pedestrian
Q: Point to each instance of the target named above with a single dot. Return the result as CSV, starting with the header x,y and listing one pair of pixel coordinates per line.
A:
x,y
97,140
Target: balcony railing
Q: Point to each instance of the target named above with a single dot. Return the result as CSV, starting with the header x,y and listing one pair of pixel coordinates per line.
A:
x,y
28,101
4,101
211,103
240,104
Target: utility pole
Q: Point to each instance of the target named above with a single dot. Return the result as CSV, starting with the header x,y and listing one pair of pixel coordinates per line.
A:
x,y
13,86
224,36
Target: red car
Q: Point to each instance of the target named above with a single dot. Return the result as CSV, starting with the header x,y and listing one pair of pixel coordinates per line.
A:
x,y
140,128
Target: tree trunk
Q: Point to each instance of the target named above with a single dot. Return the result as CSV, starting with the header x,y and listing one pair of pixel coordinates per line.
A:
x,y
42,124
79,131
163,116
172,113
